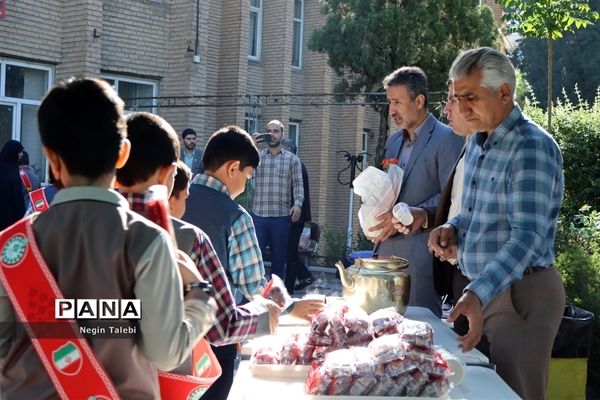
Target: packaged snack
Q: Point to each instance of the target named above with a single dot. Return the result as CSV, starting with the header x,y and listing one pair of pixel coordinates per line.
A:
x,y
382,387
385,321
317,381
362,385
417,383
388,348
400,367
436,387
266,355
356,320
417,333
340,386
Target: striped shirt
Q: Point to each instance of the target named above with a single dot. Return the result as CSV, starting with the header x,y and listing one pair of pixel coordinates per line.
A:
x,y
272,191
234,324
513,189
246,268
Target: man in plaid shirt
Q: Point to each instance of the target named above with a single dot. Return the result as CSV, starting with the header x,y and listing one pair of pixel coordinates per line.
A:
x,y
505,231
273,195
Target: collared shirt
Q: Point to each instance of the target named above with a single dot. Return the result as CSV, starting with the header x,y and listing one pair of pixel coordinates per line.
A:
x,y
408,144
272,191
234,324
513,189
188,159
246,267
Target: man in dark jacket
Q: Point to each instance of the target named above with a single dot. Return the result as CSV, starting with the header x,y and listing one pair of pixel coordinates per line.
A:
x,y
12,206
295,267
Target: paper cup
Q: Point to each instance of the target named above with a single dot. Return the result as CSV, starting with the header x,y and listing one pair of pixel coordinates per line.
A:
x,y
456,365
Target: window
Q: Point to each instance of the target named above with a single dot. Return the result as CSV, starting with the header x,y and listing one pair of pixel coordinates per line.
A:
x,y
294,134
255,29
133,91
251,123
22,86
365,148
298,30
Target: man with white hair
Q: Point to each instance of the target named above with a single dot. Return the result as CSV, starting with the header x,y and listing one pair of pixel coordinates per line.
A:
x,y
505,231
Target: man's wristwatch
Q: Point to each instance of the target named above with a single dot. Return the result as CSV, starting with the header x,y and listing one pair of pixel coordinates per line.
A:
x,y
205,286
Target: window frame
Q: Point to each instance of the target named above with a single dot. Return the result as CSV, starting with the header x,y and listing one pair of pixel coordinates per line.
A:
x,y
297,137
140,81
300,21
258,11
18,103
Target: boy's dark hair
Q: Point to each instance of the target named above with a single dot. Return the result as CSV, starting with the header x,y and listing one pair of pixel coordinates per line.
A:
x,y
81,119
182,179
227,144
188,131
414,78
154,144
24,160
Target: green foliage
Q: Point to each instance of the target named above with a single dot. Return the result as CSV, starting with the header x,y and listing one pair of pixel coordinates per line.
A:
x,y
367,39
576,128
548,19
578,261
576,61
523,89
334,244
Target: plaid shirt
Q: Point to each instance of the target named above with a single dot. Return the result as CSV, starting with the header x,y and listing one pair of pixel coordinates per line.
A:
x,y
246,268
234,324
513,189
272,190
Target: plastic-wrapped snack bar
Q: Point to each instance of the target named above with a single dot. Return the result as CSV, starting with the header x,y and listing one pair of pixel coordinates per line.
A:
x,y
400,367
436,387
358,339
321,340
382,387
362,385
340,363
356,320
388,348
417,383
417,333
403,380
340,386
438,368
267,355
290,353
337,331
385,321
320,321
364,362
317,381
396,390
421,354
307,349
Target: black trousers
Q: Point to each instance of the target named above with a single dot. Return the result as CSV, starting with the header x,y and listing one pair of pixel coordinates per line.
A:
x,y
295,267
220,389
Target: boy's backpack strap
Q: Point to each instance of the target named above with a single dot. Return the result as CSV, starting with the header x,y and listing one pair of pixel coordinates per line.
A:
x,y
32,289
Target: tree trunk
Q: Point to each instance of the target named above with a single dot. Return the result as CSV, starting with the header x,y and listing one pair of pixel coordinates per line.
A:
x,y
550,62
382,138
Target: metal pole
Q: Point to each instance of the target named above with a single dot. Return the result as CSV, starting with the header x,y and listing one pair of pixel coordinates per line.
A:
x,y
350,215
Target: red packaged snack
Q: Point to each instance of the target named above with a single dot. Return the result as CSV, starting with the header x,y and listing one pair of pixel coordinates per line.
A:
x,y
388,348
422,355
340,386
317,381
417,333
362,385
382,387
292,348
438,368
356,320
436,387
359,339
417,383
385,321
400,367
266,355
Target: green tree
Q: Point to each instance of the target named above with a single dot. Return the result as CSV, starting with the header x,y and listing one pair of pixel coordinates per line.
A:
x,y
548,19
576,62
367,39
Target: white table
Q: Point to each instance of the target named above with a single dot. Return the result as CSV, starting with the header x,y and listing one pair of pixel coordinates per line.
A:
x,y
479,382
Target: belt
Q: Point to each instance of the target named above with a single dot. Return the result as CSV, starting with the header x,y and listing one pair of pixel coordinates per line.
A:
x,y
533,270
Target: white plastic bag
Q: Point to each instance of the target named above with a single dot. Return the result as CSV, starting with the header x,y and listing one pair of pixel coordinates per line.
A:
x,y
378,191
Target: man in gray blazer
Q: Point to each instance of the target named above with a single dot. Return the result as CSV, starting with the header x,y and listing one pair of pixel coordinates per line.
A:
x,y
190,154
426,150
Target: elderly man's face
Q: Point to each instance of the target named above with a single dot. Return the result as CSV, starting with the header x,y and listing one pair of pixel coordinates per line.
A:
x,y
455,120
481,108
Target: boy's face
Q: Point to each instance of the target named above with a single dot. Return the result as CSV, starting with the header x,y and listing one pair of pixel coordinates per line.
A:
x,y
238,181
177,203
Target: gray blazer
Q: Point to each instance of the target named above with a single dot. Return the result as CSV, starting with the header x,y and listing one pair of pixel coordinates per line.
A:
x,y
436,150
197,167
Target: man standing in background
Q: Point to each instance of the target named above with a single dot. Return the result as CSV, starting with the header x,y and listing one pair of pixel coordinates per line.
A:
x,y
278,180
190,155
